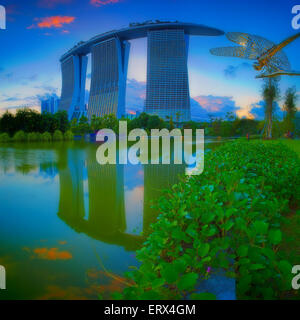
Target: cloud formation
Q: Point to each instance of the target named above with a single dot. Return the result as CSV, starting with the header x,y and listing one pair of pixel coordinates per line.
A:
x,y
100,3
52,22
217,106
201,106
231,71
135,96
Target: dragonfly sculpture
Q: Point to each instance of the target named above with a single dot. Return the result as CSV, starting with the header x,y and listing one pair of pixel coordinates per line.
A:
x,y
270,59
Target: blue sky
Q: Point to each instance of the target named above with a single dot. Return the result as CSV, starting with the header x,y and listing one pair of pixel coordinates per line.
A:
x,y
40,31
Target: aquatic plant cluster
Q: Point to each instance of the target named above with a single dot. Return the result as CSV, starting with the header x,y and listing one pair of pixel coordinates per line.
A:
x,y
227,219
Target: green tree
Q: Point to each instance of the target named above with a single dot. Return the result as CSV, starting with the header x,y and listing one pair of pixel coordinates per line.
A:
x,y
109,121
19,136
48,122
8,123
58,136
96,123
4,137
62,122
154,122
46,137
68,136
270,95
74,126
290,108
33,137
83,126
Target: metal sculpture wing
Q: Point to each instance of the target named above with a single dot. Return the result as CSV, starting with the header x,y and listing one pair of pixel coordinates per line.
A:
x,y
237,52
270,57
251,47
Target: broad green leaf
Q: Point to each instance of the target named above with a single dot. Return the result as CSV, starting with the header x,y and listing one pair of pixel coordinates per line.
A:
x,y
188,281
275,236
242,251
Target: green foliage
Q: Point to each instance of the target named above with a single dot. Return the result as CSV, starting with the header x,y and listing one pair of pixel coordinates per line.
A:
x,y
4,137
233,126
68,136
46,137
33,136
19,136
31,121
270,93
229,218
58,136
290,109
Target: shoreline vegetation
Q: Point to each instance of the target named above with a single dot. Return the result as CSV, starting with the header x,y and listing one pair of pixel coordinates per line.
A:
x,y
235,217
30,126
21,136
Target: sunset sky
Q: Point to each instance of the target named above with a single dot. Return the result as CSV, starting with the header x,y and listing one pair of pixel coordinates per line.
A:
x,y
40,31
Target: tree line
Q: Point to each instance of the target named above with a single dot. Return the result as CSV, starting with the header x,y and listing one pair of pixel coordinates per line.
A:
x,y
29,124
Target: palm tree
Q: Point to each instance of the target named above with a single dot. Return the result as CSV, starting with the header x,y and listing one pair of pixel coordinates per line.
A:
x,y
290,108
270,95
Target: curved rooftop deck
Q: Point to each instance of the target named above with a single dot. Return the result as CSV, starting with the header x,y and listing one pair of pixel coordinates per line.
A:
x,y
140,30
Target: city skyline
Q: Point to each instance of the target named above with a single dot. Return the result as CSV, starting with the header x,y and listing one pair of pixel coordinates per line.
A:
x,y
216,86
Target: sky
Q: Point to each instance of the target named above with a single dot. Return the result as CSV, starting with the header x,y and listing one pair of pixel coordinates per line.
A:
x,y
39,32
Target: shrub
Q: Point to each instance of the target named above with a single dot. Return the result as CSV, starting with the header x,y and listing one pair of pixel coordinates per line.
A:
x,y
68,136
19,136
46,137
4,137
228,218
58,136
33,136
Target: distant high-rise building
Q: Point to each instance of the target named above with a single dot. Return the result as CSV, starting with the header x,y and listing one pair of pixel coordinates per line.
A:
x,y
167,75
50,105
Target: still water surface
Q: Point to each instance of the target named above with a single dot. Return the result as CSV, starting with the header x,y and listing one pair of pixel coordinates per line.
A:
x,y
65,220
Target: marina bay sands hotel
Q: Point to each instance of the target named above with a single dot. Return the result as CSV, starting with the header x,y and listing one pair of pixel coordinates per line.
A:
x,y
167,92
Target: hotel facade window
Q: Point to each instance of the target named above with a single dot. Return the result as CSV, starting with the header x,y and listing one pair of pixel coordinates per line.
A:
x,y
167,75
109,73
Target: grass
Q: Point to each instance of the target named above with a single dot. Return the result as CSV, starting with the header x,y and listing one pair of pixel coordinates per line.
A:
x,y
293,144
291,229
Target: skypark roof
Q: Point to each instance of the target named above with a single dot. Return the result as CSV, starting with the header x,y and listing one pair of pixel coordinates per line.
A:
x,y
139,30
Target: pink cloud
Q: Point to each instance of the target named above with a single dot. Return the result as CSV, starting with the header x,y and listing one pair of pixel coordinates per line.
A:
x,y
99,3
211,103
52,22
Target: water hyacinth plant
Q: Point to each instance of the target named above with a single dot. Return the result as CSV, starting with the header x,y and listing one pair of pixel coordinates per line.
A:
x,y
229,219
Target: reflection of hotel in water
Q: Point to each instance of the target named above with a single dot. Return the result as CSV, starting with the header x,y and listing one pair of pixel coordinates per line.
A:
x,y
156,178
92,197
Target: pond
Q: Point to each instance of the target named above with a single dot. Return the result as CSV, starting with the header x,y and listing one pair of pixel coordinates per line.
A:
x,y
69,227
